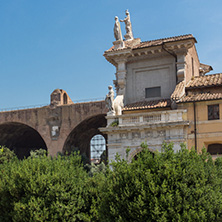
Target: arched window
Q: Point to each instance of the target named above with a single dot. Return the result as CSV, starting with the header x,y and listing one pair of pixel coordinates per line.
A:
x,y
64,98
98,148
215,149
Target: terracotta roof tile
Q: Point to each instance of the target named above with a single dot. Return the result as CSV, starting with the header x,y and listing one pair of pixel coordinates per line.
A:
x,y
201,97
178,91
205,81
151,43
148,104
127,46
164,40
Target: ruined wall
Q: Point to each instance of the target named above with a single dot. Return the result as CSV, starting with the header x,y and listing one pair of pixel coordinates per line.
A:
x,y
54,124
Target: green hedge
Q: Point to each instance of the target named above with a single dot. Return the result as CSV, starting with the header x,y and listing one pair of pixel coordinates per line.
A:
x,y
6,155
46,189
167,186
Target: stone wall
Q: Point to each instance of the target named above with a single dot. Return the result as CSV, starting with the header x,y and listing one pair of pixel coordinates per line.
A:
x,y
153,128
53,124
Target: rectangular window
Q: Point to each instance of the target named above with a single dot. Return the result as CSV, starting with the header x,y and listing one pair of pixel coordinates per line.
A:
x,y
213,112
153,92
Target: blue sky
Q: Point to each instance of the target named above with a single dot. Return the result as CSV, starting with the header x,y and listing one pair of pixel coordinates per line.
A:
x,y
49,44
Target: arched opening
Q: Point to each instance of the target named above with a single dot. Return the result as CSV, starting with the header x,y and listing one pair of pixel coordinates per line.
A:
x,y
65,98
81,135
136,156
215,148
98,149
20,138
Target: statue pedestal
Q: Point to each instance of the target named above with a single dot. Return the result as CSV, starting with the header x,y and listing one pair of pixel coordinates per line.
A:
x,y
119,44
128,37
111,113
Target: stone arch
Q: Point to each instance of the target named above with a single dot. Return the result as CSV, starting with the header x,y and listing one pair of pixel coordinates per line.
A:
x,y
133,154
80,136
20,138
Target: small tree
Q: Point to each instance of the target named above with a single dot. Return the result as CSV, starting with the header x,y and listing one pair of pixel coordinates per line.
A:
x,y
166,186
47,189
6,154
38,153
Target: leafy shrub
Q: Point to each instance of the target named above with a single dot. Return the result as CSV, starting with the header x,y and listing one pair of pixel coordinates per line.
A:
x,y
6,154
46,189
167,186
115,123
96,168
38,153
75,150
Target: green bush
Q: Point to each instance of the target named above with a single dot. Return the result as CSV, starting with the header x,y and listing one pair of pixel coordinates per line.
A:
x,y
46,189
115,123
6,154
38,153
167,186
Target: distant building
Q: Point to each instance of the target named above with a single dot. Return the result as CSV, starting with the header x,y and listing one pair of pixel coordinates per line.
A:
x,y
167,97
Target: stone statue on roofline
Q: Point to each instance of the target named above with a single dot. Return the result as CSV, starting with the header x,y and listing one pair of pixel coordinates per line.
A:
x,y
128,27
116,105
110,101
117,30
118,44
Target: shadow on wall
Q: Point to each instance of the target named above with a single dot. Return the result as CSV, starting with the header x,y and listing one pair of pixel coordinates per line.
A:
x,y
82,134
20,138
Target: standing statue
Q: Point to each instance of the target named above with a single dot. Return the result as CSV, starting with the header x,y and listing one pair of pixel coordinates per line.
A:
x,y
110,99
117,30
128,26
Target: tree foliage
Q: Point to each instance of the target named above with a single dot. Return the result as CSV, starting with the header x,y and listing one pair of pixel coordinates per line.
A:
x,y
45,189
38,153
165,186
6,154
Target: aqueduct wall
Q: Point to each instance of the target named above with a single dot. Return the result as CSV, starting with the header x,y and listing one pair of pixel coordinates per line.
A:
x,y
55,127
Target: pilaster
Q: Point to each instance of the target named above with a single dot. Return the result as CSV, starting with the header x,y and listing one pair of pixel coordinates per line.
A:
x,y
181,67
121,76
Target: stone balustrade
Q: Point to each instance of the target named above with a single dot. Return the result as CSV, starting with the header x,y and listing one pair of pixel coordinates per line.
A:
x,y
148,118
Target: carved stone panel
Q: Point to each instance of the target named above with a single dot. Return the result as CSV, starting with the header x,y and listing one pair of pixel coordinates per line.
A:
x,y
149,133
124,135
161,133
136,135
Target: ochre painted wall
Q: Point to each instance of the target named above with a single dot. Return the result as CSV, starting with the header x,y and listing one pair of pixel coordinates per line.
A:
x,y
208,131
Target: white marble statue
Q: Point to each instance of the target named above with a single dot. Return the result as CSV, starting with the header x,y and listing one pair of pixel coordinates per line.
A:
x,y
128,26
117,30
110,100
118,105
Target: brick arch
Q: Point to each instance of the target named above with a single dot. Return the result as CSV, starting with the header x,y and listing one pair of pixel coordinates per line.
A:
x,y
137,151
21,138
81,135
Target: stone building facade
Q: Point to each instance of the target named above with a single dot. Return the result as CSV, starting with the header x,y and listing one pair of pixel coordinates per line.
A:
x,y
166,97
